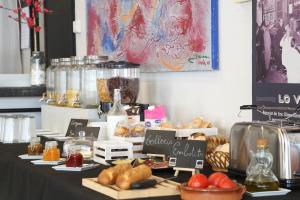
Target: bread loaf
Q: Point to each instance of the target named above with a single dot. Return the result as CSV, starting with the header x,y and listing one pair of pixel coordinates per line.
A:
x,y
109,176
139,173
213,142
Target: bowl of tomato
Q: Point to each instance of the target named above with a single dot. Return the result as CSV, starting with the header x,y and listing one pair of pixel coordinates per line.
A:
x,y
217,186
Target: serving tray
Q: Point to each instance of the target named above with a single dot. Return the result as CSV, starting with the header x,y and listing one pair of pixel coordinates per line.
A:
x,y
281,191
166,188
30,157
75,169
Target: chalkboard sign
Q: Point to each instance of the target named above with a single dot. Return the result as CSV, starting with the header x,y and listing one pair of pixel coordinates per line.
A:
x,y
74,123
188,154
89,131
159,142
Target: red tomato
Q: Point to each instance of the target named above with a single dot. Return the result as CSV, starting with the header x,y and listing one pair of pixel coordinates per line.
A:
x,y
227,183
212,187
215,178
198,181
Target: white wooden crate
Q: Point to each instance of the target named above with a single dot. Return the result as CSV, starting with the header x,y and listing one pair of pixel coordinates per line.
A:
x,y
137,142
112,150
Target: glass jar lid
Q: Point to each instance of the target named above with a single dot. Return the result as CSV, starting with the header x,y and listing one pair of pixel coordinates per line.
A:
x,y
54,61
133,65
109,64
77,60
123,65
35,140
38,56
51,144
65,61
95,59
261,143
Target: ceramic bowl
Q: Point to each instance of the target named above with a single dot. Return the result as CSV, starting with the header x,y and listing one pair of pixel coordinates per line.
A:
x,y
189,193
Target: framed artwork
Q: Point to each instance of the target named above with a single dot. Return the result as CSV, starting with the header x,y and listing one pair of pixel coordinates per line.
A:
x,y
276,57
161,35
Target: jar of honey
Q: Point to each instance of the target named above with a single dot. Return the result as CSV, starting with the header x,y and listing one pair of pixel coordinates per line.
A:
x,y
74,158
51,152
35,147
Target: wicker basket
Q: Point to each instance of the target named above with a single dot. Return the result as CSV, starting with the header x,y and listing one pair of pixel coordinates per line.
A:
x,y
218,160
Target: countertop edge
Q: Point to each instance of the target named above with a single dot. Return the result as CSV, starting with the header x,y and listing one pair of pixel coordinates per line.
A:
x,y
22,91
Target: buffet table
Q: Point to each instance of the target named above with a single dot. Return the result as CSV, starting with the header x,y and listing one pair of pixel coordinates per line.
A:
x,y
21,180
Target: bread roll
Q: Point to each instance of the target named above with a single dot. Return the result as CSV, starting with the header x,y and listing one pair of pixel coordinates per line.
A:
x,y
109,176
198,136
134,175
223,148
166,125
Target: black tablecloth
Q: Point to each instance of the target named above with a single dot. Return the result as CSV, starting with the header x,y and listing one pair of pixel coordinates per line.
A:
x,y
21,180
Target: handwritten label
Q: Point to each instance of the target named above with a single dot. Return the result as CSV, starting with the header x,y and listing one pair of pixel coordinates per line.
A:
x,y
188,154
75,123
200,60
159,142
187,150
182,153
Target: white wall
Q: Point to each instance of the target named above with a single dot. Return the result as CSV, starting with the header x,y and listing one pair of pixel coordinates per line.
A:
x,y
214,95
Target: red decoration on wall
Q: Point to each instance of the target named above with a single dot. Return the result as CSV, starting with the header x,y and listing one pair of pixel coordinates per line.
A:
x,y
17,14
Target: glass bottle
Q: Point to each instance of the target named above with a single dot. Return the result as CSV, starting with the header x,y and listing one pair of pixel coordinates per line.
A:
x,y
61,81
37,66
50,81
259,172
35,147
74,157
88,89
51,152
73,81
116,114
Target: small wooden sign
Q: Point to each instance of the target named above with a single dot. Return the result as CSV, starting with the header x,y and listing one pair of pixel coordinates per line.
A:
x,y
89,131
159,142
75,123
188,154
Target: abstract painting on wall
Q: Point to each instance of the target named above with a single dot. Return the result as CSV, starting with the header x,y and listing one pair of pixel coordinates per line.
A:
x,y
161,35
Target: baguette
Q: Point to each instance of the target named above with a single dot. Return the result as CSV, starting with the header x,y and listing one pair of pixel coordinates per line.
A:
x,y
137,174
109,176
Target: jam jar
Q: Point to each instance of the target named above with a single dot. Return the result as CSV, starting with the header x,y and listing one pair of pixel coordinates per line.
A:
x,y
74,157
35,147
86,144
51,152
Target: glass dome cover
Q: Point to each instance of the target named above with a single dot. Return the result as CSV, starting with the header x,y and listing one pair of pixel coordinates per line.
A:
x,y
85,144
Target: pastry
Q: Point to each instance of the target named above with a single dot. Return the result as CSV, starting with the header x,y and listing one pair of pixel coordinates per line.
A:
x,y
137,174
122,131
197,122
206,124
198,136
213,142
108,176
223,148
166,125
137,130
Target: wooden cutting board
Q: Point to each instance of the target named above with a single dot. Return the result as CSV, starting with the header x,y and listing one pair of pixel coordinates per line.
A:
x,y
166,188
